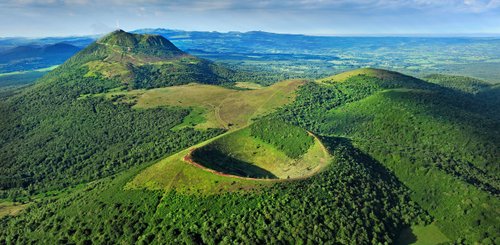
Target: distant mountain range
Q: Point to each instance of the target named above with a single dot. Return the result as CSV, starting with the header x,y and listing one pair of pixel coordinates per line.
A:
x,y
38,51
30,57
319,56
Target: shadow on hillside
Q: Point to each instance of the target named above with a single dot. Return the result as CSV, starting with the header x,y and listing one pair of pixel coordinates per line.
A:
x,y
406,237
376,168
346,153
221,162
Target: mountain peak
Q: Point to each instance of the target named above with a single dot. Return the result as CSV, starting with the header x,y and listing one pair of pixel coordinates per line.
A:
x,y
143,61
145,44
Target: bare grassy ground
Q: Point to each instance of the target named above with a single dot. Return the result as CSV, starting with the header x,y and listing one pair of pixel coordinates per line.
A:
x,y
10,208
224,107
370,72
422,235
174,173
243,147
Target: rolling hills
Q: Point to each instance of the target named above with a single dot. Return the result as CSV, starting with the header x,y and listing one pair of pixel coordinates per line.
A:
x,y
72,140
135,141
441,143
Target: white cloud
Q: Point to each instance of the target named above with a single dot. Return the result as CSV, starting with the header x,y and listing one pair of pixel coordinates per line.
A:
x,y
207,5
299,16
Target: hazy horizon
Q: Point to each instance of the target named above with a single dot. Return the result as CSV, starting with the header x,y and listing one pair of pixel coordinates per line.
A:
x,y
415,35
44,18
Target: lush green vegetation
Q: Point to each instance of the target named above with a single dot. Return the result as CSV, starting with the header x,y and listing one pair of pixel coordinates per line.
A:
x,y
341,204
423,235
51,137
94,138
222,107
185,70
281,56
242,154
149,45
213,158
459,83
292,140
146,61
442,144
84,156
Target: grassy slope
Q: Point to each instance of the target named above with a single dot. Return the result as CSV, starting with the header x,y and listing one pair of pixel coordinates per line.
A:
x,y
180,177
145,61
457,209
422,235
11,208
370,72
237,107
334,205
173,173
248,85
442,144
224,107
243,147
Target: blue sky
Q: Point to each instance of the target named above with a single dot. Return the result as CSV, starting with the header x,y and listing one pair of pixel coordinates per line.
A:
x,y
316,17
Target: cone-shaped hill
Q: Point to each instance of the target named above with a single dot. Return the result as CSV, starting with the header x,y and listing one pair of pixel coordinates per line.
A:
x,y
147,45
384,78
143,61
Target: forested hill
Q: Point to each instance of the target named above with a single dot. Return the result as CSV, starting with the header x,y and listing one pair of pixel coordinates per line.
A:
x,y
406,153
439,141
148,45
141,61
57,134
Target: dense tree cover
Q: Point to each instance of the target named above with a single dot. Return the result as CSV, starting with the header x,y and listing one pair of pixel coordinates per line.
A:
x,y
263,76
355,200
290,139
51,137
137,44
492,95
185,70
459,83
18,80
487,92
442,144
146,61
